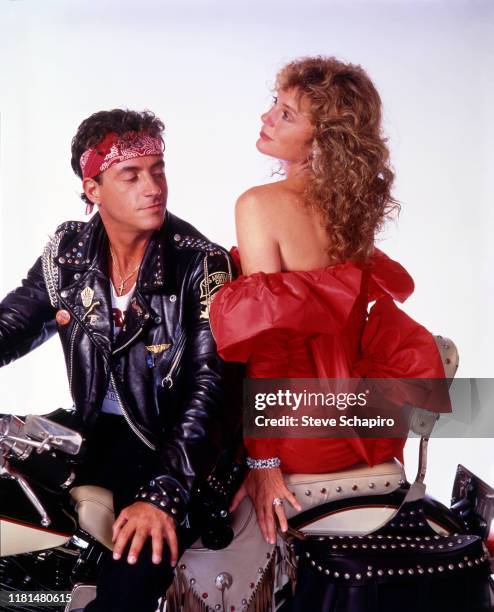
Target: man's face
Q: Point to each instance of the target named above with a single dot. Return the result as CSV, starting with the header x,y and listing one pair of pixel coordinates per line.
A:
x,y
132,194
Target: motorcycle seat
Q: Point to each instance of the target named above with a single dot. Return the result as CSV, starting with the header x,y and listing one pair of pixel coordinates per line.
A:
x,y
94,507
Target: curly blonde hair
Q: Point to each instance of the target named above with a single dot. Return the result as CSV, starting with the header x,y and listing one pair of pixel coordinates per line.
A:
x,y
350,177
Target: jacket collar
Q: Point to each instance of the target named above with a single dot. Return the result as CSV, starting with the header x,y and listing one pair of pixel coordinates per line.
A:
x,y
89,249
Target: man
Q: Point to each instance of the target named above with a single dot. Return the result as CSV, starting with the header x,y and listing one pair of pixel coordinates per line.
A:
x,y
130,293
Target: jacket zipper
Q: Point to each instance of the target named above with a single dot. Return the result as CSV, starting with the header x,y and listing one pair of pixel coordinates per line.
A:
x,y
72,341
128,342
134,428
71,355
168,380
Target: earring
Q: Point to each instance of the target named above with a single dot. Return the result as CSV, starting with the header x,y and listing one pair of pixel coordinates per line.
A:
x,y
89,208
313,155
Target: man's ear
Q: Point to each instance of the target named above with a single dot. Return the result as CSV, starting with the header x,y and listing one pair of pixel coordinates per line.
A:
x,y
92,190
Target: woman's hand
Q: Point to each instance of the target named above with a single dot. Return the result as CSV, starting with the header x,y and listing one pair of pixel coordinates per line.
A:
x,y
263,486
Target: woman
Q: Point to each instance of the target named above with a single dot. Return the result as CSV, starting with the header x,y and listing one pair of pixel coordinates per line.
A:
x,y
310,269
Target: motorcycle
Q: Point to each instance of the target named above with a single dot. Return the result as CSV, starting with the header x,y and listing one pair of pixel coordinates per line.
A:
x,y
362,524
58,535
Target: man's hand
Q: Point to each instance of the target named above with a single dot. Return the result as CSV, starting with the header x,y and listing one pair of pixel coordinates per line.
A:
x,y
140,521
262,486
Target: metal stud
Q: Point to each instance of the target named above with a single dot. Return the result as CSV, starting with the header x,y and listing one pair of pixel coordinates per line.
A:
x,y
308,493
336,574
177,237
371,485
323,490
338,489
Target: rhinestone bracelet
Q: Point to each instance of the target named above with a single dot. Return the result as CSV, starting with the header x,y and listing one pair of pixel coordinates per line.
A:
x,y
263,464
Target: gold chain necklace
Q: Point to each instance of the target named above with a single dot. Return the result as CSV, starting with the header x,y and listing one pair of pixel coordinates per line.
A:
x,y
117,269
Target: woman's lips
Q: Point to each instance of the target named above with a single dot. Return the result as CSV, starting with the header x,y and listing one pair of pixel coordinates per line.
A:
x,y
264,136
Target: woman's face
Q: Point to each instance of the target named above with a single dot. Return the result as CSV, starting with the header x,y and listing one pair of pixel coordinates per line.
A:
x,y
287,131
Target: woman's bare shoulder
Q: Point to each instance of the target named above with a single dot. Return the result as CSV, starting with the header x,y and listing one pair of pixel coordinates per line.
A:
x,y
264,197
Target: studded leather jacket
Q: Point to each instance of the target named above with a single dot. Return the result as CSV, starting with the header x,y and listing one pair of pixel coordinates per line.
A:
x,y
167,376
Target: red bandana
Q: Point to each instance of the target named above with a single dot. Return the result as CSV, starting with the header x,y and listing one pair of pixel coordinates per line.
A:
x,y
114,149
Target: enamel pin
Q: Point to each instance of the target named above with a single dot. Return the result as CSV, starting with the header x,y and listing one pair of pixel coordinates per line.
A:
x,y
155,349
87,295
62,317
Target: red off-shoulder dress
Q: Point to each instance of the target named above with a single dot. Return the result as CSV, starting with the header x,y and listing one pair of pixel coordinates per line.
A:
x,y
317,324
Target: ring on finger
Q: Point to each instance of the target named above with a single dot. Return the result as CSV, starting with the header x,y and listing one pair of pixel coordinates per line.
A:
x,y
277,501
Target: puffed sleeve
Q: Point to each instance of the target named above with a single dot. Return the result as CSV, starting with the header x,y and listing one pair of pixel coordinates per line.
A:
x,y
248,310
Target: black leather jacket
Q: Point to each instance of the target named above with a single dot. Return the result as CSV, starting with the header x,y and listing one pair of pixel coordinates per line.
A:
x,y
164,367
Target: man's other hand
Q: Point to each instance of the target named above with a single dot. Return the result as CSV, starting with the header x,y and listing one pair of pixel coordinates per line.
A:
x,y
138,522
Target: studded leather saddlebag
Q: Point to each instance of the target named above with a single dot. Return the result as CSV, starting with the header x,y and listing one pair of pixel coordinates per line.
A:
x,y
405,566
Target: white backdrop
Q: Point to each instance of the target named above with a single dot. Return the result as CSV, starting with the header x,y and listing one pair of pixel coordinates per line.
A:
x,y
206,68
